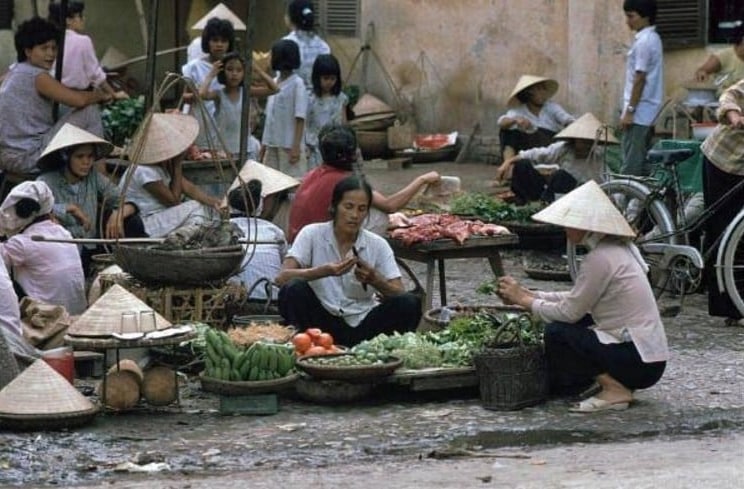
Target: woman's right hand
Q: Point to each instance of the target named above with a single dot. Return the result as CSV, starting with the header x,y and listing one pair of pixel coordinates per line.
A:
x,y
340,267
80,216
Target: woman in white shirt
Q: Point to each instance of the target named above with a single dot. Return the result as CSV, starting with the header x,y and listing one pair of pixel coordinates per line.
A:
x,y
607,328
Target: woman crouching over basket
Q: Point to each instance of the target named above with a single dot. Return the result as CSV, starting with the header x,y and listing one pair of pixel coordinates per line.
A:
x,y
607,327
156,185
333,274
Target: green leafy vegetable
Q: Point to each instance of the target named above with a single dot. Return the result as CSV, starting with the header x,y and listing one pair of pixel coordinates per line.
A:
x,y
490,209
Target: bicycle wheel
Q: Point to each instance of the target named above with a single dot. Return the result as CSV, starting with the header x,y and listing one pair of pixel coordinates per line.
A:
x,y
644,212
731,262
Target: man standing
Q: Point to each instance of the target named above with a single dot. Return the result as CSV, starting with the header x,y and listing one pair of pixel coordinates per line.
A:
x,y
644,86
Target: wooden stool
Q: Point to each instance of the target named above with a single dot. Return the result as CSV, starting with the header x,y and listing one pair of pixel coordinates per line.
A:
x,y
9,179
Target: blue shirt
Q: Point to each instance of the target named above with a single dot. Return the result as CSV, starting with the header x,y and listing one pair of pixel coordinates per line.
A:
x,y
645,55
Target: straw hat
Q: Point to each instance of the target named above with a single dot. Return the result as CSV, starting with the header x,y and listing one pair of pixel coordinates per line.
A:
x,y
587,127
221,12
369,104
40,391
526,81
272,181
70,135
113,59
162,136
104,317
588,208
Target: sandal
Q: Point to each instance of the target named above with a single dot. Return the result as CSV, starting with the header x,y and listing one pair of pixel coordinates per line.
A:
x,y
595,404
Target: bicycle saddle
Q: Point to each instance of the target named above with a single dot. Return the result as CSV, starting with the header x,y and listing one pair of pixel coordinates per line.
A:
x,y
669,156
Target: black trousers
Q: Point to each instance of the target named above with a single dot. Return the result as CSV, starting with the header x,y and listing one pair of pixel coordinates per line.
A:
x,y
300,307
575,356
715,184
518,140
530,185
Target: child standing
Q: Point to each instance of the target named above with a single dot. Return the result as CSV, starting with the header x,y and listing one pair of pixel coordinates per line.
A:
x,y
230,72
327,104
285,113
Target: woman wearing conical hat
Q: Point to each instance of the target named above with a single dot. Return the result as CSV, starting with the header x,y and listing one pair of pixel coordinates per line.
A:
x,y
156,184
532,119
607,328
79,189
577,154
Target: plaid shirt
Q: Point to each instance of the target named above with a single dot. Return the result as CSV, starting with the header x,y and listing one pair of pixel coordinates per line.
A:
x,y
725,146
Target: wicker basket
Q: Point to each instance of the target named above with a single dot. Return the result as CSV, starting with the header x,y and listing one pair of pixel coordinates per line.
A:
x,y
432,321
373,144
179,267
512,378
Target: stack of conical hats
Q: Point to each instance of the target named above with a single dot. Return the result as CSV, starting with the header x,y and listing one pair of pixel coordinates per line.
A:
x,y
41,397
103,318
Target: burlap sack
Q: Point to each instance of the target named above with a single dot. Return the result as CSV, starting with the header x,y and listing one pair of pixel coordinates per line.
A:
x,y
44,325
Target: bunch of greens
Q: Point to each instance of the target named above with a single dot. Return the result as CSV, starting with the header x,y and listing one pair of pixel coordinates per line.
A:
x,y
490,209
121,118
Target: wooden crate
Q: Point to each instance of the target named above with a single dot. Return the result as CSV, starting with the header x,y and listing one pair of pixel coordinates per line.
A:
x,y
208,304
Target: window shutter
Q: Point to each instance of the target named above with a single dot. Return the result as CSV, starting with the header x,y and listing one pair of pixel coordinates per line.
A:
x,y
337,17
681,23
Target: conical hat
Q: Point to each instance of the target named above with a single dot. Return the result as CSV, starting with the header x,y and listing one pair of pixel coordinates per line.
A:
x,y
162,136
104,317
272,181
42,391
369,104
588,208
587,127
70,135
221,12
113,59
526,81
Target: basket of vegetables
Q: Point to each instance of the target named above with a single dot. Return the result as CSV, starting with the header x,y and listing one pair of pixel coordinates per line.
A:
x,y
349,367
511,367
439,318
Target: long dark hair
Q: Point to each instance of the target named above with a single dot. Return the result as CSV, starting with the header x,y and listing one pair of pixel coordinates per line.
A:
x,y
55,12
326,65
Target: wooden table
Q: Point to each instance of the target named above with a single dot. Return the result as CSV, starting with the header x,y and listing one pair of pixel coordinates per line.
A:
x,y
444,249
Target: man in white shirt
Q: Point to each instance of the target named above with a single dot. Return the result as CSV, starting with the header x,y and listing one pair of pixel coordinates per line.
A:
x,y
644,86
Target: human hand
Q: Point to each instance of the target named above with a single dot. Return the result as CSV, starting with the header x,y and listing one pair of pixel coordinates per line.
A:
x,y
509,290
80,216
340,267
216,67
121,95
701,75
429,178
735,119
294,156
114,226
364,273
502,172
626,120
523,123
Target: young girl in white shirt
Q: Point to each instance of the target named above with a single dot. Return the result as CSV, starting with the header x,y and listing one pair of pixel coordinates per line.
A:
x,y
285,113
327,104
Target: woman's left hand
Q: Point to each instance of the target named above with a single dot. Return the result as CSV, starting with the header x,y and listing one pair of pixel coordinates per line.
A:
x,y
114,226
365,273
511,292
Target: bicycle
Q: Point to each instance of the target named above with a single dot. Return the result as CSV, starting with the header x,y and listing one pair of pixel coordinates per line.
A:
x,y
654,207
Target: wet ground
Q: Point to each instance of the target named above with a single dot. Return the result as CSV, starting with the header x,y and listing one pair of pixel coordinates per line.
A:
x,y
700,395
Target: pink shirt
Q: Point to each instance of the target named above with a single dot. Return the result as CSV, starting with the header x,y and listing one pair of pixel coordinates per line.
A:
x,y
48,272
80,66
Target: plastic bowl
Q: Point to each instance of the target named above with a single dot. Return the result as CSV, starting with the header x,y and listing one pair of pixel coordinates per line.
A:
x,y
701,130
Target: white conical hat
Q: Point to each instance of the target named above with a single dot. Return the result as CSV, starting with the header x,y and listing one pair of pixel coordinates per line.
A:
x,y
368,104
526,81
221,12
104,317
588,208
587,127
161,136
113,58
71,135
41,391
272,181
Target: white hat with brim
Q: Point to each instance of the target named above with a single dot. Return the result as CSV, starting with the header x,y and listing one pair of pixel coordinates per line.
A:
x,y
221,12
40,392
587,208
113,59
272,181
71,135
587,127
526,81
103,318
10,222
161,136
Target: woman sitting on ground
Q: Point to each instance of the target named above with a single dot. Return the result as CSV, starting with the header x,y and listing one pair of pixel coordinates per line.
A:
x,y
607,328
338,146
48,272
574,156
27,97
156,185
79,189
335,271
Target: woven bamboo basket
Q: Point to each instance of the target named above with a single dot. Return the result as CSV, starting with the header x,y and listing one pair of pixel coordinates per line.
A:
x,y
432,318
512,378
179,267
373,144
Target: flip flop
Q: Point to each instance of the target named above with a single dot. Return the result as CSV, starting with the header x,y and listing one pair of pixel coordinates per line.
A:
x,y
594,404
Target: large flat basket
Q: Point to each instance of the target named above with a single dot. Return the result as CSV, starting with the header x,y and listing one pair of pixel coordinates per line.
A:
x,y
179,267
